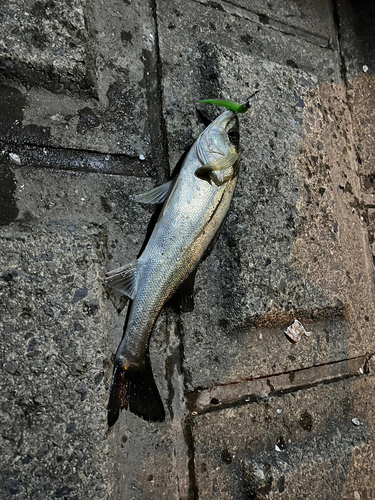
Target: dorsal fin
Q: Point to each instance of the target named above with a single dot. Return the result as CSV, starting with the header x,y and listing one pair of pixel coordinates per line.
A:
x,y
124,279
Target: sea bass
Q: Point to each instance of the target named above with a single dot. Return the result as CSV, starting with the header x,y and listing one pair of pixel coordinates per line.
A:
x,y
196,202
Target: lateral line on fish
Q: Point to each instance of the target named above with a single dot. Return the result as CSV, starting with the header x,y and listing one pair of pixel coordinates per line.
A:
x,y
214,212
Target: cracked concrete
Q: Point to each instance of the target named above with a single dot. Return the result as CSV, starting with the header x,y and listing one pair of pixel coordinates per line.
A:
x,y
98,101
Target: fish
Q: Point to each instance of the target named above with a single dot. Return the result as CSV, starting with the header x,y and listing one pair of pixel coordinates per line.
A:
x,y
195,204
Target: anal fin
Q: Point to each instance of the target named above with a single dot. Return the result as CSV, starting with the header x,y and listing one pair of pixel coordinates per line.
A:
x,y
124,279
183,299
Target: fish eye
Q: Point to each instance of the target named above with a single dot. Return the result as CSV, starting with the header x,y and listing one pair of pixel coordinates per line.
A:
x,y
234,136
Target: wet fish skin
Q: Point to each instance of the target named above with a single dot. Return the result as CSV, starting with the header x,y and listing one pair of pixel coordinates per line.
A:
x,y
195,205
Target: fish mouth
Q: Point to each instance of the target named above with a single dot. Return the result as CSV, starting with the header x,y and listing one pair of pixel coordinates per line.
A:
x,y
223,123
225,119
233,124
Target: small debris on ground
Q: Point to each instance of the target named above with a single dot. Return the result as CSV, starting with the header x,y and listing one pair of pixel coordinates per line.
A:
x,y
295,331
355,421
15,158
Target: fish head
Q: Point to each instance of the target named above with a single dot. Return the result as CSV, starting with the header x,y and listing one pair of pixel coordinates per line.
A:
x,y
217,149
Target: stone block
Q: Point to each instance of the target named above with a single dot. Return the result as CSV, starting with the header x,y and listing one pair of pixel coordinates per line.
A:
x,y
313,21
59,333
210,53
288,248
91,85
53,402
46,43
306,444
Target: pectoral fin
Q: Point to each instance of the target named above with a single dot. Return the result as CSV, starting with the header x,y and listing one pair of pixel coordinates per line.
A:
x,y
124,279
156,195
218,171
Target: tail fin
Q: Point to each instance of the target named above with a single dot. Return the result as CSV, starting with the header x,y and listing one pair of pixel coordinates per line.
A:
x,y
137,392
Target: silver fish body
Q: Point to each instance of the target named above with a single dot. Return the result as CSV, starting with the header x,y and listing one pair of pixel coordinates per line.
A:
x,y
196,203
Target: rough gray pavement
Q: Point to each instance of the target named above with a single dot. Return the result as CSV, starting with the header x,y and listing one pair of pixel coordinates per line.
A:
x,y
98,101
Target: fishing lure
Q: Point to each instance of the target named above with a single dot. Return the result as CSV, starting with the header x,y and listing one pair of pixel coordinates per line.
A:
x,y
234,106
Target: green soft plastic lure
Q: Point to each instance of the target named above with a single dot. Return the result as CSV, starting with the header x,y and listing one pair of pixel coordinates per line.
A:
x,y
234,106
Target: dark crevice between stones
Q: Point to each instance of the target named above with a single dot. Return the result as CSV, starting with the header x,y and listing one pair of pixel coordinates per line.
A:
x,y
79,160
171,361
246,399
8,185
189,440
187,427
154,93
90,49
336,19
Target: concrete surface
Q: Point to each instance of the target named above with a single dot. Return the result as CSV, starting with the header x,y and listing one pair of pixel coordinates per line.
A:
x,y
98,101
